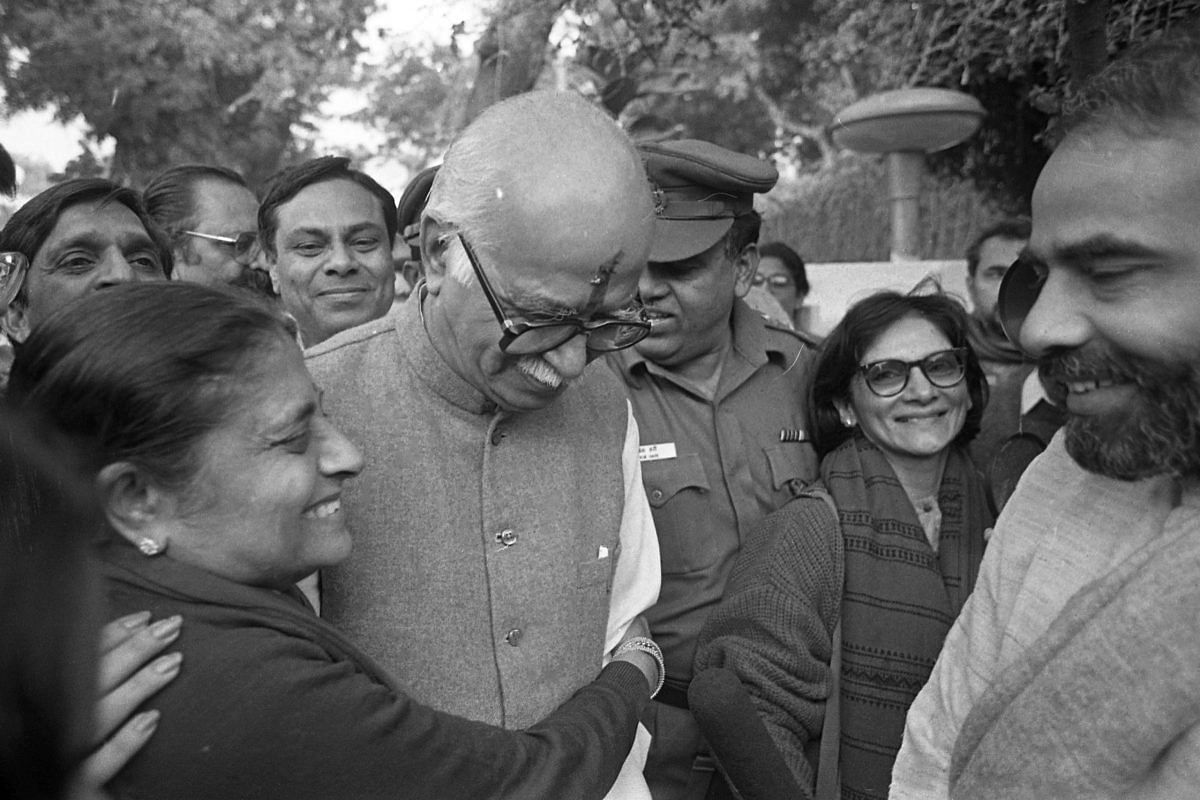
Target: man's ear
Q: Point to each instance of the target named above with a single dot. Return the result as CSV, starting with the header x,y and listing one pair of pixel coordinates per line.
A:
x,y
435,241
744,268
136,507
15,321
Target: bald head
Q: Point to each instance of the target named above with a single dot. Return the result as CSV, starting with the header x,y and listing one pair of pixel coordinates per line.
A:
x,y
541,157
553,200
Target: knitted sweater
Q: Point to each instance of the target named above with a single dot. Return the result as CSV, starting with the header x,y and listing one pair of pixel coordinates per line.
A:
x,y
872,566
774,627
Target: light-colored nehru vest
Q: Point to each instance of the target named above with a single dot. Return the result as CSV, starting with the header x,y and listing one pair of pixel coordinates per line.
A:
x,y
484,542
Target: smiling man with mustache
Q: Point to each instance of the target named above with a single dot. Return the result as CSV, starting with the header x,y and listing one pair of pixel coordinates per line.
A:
x,y
1134,416
1072,671
719,394
327,231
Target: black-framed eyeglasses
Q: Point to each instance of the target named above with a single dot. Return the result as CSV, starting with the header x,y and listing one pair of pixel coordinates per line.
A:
x,y
13,266
943,369
245,244
524,337
775,281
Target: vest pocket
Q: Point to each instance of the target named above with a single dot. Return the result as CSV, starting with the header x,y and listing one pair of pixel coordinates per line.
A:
x,y
597,571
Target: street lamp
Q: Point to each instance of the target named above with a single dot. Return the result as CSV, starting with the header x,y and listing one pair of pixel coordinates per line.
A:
x,y
905,124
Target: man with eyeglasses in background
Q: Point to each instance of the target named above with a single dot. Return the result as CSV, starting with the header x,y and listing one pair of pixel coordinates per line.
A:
x,y
76,237
781,273
210,216
503,543
719,394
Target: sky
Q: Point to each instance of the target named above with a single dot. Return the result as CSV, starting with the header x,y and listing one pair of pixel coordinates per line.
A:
x,y
36,133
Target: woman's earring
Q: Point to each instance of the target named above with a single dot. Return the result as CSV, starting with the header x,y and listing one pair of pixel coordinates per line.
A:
x,y
847,421
148,546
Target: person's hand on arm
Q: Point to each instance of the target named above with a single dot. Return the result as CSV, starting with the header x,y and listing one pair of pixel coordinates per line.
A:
x,y
128,674
639,649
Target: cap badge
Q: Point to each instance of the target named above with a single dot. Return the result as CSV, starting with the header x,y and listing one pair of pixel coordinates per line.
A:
x,y
660,200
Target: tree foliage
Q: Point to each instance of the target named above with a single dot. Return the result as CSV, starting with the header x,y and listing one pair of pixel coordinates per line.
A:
x,y
225,81
1020,59
234,81
417,98
769,75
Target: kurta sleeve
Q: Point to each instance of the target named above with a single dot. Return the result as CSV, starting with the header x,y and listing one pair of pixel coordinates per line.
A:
x,y
638,574
774,626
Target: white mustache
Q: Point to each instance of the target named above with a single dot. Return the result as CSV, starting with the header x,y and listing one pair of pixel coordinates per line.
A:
x,y
540,371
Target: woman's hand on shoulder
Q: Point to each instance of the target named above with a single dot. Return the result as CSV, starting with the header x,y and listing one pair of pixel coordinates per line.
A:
x,y
130,670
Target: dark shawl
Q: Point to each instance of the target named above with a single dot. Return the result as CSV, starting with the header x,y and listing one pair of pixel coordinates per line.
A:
x,y
900,597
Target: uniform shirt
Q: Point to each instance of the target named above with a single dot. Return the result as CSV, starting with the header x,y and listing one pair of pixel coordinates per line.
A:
x,y
714,467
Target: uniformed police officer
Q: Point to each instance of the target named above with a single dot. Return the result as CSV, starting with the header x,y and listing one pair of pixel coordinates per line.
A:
x,y
718,393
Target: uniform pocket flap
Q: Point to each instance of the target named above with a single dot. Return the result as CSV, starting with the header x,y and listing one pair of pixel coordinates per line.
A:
x,y
792,464
667,478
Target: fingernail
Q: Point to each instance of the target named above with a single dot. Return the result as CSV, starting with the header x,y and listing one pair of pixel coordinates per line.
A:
x,y
134,621
167,628
168,663
146,721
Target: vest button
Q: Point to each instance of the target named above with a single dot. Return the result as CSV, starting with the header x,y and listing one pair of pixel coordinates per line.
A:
x,y
513,637
497,436
507,537
657,494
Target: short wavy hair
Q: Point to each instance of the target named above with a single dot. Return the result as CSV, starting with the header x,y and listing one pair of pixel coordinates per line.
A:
x,y
289,182
841,353
170,196
1016,228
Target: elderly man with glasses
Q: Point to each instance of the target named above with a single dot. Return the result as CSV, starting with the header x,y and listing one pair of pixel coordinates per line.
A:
x,y
210,216
719,396
503,542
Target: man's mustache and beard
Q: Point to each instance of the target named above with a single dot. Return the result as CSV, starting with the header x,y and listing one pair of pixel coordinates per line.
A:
x,y
1158,433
